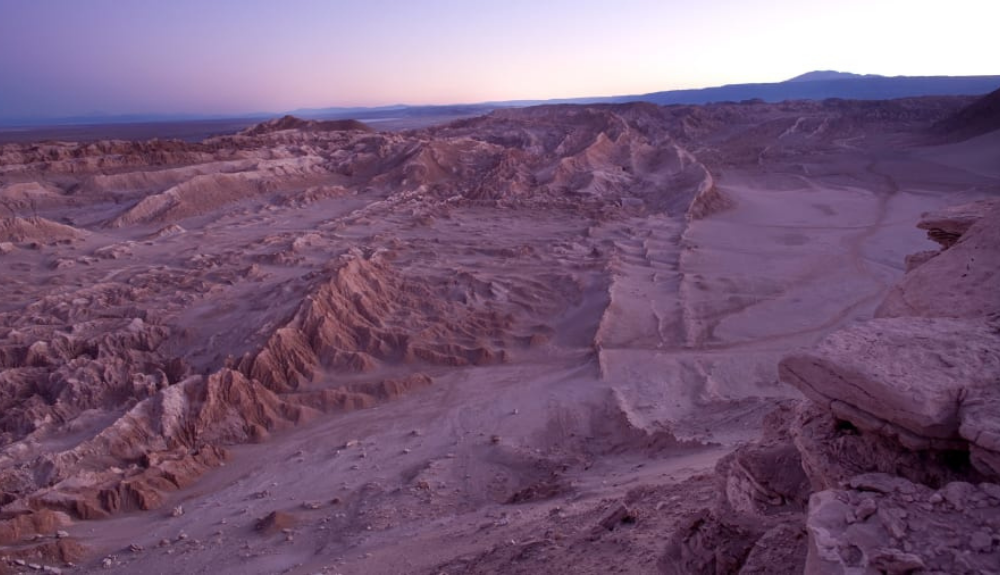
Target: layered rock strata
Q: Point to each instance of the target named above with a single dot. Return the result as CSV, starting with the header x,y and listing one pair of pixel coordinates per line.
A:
x,y
892,464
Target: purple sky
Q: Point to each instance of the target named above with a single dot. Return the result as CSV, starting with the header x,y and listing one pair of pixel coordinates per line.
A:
x,y
68,57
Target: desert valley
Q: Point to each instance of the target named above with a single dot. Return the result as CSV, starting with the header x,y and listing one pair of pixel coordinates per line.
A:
x,y
613,338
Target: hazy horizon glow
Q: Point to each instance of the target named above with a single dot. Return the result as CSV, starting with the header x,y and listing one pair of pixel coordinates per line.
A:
x,y
66,57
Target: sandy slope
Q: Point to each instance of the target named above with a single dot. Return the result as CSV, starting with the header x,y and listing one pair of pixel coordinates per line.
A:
x,y
580,339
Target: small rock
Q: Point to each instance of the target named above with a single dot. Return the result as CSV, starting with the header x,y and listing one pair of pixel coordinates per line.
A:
x,y
991,489
182,536
351,443
515,412
52,570
135,548
895,561
107,563
494,439
275,522
878,482
62,534
165,542
177,511
620,515
20,562
406,450
981,542
34,566
894,521
866,509
958,493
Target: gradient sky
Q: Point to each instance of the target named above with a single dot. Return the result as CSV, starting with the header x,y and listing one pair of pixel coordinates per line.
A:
x,y
68,57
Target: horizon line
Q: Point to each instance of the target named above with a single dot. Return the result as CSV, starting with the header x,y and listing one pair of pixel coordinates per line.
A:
x,y
102,117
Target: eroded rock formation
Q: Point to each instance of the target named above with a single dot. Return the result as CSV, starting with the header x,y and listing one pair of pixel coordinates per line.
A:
x,y
576,298
130,381
895,448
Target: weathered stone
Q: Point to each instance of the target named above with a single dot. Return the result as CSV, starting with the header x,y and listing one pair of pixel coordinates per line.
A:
x,y
833,452
276,522
961,282
906,532
913,373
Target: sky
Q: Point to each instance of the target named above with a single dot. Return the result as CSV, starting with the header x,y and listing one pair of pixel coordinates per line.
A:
x,y
78,57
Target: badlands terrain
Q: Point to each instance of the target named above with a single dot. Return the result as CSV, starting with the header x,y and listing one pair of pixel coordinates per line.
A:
x,y
566,339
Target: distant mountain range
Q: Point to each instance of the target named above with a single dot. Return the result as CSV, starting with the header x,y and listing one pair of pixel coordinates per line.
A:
x,y
816,85
823,85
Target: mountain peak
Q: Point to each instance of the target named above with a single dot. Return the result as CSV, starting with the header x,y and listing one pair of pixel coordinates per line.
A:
x,y
829,75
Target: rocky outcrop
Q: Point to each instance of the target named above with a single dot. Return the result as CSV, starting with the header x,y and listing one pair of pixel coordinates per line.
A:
x,y
884,524
947,225
926,372
913,379
715,542
756,524
963,280
367,313
203,193
37,230
898,442
29,195
293,123
75,158
912,395
833,450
